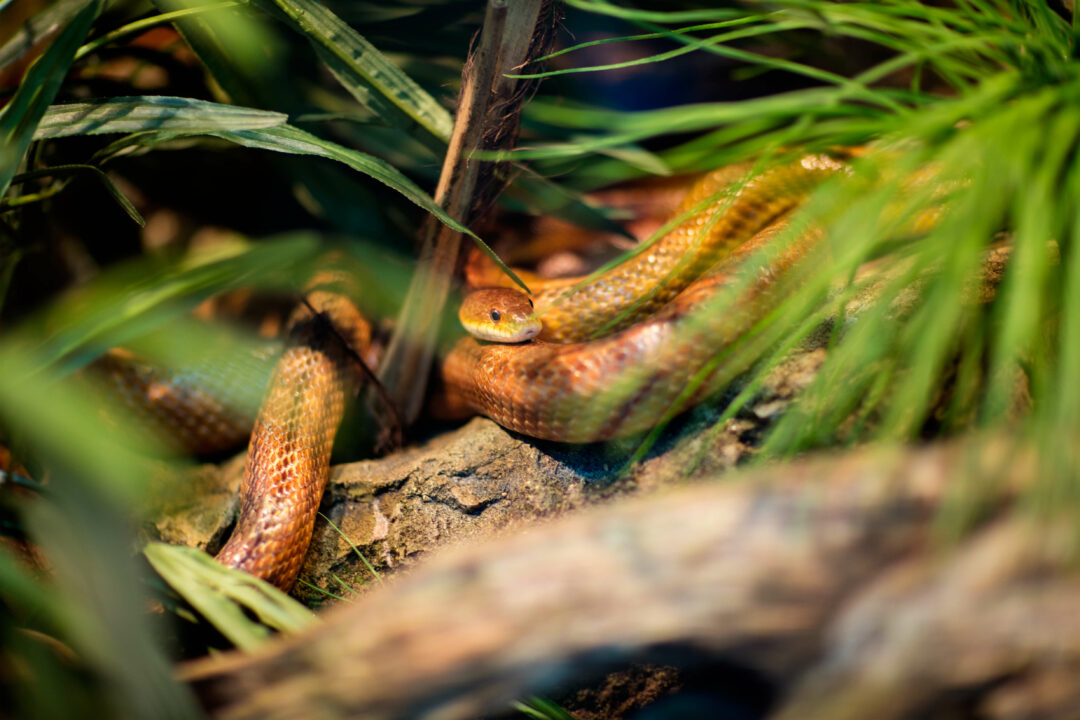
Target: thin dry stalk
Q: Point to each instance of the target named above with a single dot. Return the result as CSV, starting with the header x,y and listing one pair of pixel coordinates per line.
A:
x,y
505,43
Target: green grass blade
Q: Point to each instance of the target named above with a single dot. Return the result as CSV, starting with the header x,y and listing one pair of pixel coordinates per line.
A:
x,y
238,45
141,26
540,708
20,117
38,28
690,44
61,430
294,141
221,595
602,7
371,569
95,582
359,65
629,128
59,171
1065,416
647,36
247,73
1038,221
131,300
324,593
151,113
535,194
24,594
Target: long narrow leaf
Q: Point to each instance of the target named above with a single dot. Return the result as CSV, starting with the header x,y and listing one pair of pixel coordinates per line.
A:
x,y
150,113
37,28
357,63
58,171
221,595
20,117
294,141
141,26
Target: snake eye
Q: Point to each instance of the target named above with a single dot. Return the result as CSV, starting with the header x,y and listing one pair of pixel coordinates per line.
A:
x,y
530,303
495,316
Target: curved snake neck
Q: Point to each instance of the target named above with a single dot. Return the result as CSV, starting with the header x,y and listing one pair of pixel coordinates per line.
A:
x,y
719,213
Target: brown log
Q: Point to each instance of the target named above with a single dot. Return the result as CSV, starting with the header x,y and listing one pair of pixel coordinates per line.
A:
x,y
751,571
991,625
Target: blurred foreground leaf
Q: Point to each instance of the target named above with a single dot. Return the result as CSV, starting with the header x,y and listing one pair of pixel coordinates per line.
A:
x,y
222,594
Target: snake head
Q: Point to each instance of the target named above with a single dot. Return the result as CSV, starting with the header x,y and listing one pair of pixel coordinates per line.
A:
x,y
499,315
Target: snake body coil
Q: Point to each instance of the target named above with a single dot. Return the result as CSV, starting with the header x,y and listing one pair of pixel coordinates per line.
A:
x,y
577,390
288,456
591,390
719,213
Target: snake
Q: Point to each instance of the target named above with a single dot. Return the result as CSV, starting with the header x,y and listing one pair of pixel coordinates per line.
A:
x,y
577,361
291,437
569,385
288,457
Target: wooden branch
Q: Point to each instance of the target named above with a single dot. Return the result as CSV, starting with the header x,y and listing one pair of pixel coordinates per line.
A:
x,y
992,621
504,43
752,571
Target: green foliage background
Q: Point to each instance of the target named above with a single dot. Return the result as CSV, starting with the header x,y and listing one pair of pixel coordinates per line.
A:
x,y
984,91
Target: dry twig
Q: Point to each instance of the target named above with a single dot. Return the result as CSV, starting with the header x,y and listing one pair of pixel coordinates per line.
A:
x,y
505,42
